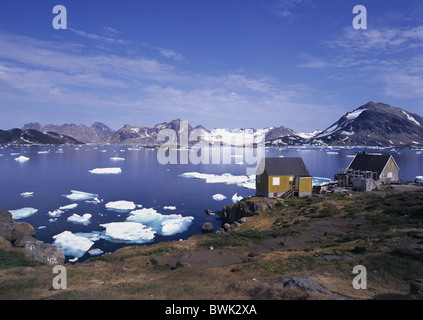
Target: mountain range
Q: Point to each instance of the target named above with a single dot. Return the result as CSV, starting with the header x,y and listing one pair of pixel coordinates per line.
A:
x,y
373,124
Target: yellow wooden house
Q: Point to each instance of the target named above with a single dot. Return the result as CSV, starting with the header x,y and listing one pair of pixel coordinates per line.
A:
x,y
283,177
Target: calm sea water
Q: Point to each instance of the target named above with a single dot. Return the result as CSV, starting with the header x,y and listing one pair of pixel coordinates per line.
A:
x,y
144,181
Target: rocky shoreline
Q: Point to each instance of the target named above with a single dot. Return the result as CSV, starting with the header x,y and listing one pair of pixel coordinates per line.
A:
x,y
23,235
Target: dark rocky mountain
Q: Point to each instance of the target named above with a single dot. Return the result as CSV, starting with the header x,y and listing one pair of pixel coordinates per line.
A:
x,y
97,133
131,134
279,132
30,136
373,124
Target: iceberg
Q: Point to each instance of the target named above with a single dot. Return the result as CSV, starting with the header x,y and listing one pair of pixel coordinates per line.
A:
x,y
419,179
227,178
85,219
21,159
219,197
317,181
72,244
106,171
79,195
121,205
23,213
236,198
165,225
117,159
169,208
27,194
69,207
95,252
133,232
56,213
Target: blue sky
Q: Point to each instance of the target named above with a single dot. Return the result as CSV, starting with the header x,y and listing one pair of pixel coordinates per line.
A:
x,y
219,63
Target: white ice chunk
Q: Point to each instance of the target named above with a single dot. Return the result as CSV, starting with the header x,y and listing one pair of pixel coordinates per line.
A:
x,y
23,213
129,231
84,219
80,195
219,197
169,208
117,159
227,178
56,213
121,205
69,207
106,171
95,252
21,159
27,194
43,152
236,198
72,244
164,224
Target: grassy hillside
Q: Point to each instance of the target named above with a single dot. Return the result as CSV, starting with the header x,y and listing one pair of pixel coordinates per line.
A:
x,y
319,240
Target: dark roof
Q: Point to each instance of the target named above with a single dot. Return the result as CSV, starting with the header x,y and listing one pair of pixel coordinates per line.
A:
x,y
286,166
369,162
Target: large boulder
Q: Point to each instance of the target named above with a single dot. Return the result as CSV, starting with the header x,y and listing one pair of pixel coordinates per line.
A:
x,y
46,253
23,232
7,225
207,227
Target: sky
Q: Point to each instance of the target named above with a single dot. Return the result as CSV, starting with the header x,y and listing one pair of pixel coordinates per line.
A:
x,y
219,63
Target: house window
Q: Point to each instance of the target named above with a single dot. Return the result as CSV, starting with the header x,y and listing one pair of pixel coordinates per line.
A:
x,y
259,178
276,181
389,175
291,179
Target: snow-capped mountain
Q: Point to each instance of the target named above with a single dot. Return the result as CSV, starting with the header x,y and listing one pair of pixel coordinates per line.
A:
x,y
374,124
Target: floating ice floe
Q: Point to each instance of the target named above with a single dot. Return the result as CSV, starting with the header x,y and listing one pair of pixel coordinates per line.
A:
x,y
219,197
169,208
56,213
23,213
72,244
84,219
27,194
133,232
236,198
121,205
22,159
318,181
43,152
106,171
80,195
419,179
95,252
69,207
248,182
166,225
117,159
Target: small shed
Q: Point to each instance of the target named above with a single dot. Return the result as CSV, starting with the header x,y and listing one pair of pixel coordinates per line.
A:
x,y
384,167
283,177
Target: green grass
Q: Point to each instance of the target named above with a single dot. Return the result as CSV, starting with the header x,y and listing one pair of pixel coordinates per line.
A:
x,y
15,259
